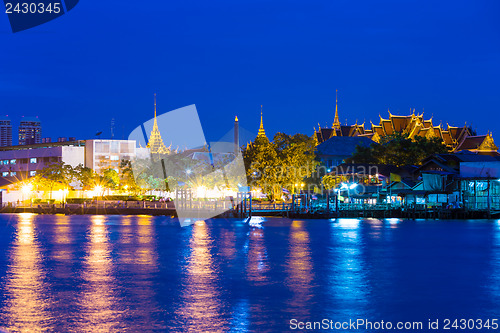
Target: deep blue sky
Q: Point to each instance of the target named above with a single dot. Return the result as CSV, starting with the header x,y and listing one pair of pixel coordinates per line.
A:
x,y
105,59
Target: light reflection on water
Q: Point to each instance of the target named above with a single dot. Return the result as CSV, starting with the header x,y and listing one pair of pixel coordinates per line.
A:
x,y
97,301
348,285
201,307
28,302
299,271
141,273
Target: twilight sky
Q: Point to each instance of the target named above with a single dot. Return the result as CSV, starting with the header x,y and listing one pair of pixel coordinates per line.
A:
x,y
105,59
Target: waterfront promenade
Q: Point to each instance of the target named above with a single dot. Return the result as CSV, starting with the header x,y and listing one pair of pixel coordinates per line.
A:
x,y
308,209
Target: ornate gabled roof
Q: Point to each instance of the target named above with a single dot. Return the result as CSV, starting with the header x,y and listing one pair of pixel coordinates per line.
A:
x,y
488,143
478,143
399,123
438,132
155,143
448,140
387,126
324,134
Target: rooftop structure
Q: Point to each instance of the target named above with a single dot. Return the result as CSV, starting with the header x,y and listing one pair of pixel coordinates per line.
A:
x,y
155,143
262,132
413,125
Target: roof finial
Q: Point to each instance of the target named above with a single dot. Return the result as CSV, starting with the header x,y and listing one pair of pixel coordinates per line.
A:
x,y
336,121
155,142
155,106
261,132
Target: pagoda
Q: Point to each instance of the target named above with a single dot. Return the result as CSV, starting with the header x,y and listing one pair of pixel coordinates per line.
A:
x,y
262,132
155,143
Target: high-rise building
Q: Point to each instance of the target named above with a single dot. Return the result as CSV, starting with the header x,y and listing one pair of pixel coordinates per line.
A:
x,y
30,131
5,132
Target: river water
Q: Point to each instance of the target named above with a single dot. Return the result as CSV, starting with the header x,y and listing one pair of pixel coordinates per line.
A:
x,y
142,273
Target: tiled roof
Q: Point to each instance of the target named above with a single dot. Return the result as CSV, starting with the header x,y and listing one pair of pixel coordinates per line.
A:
x,y
471,142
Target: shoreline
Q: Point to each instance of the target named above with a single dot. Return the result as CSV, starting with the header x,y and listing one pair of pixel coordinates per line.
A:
x,y
441,215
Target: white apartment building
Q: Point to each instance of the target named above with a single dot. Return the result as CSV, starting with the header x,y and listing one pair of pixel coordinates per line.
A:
x,y
22,162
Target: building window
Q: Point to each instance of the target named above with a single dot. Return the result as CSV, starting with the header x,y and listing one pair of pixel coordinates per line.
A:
x,y
12,161
115,158
32,173
33,160
13,173
115,147
5,174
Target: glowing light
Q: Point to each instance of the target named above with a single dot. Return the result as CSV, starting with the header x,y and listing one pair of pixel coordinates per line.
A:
x,y
344,186
26,188
188,171
353,186
98,190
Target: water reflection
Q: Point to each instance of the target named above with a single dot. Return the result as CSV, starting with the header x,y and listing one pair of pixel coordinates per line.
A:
x,y
62,240
347,276
27,303
299,271
201,309
493,284
138,258
257,265
98,300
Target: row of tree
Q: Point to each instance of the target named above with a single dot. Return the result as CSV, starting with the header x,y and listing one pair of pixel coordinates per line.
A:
x,y
60,175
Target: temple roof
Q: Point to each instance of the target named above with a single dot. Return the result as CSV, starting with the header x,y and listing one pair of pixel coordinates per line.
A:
x,y
262,132
456,138
155,143
479,142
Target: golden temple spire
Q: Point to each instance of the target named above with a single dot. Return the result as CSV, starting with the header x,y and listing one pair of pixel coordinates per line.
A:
x,y
155,143
336,121
262,132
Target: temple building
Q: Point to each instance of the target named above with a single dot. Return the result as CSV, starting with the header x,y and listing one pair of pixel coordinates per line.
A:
x,y
455,138
155,143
